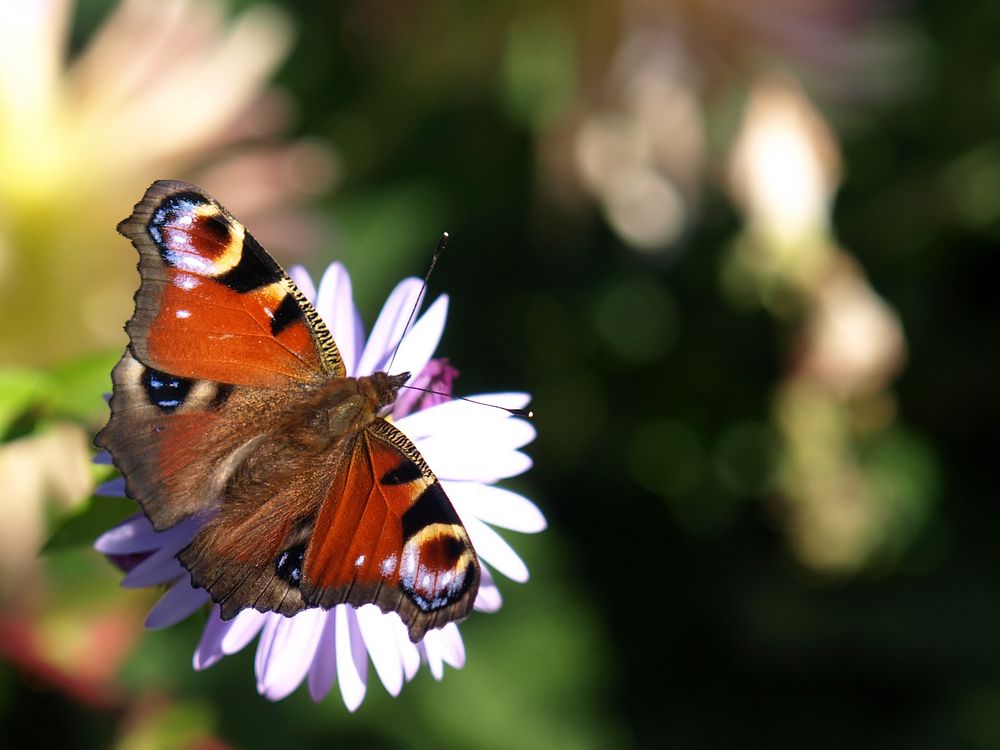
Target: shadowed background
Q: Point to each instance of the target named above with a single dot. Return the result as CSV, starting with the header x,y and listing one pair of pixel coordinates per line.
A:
x,y
743,255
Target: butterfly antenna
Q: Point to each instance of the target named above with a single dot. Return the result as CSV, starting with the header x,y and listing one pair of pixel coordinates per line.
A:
x,y
441,245
526,413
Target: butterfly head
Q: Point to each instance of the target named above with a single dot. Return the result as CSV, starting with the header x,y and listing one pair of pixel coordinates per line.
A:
x,y
387,386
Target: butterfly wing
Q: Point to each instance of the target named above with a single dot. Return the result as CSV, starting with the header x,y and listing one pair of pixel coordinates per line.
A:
x,y
385,533
221,339
388,534
213,305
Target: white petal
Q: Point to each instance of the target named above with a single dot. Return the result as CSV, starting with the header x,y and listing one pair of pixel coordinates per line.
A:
x,y
488,598
181,601
422,340
376,629
352,661
301,278
493,549
390,326
286,651
134,534
431,651
452,647
474,461
324,666
465,417
242,629
335,304
408,651
495,505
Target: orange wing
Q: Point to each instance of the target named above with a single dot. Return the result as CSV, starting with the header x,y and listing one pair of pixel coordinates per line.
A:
x,y
213,305
387,534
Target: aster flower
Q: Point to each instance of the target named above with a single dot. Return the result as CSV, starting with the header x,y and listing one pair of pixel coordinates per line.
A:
x,y
468,446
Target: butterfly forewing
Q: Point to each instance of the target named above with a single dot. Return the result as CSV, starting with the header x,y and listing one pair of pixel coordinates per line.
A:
x,y
213,304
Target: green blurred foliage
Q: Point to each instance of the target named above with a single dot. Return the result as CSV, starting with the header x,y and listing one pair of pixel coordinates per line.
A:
x,y
664,608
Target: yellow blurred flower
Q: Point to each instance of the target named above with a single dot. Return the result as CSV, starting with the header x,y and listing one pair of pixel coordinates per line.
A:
x,y
165,88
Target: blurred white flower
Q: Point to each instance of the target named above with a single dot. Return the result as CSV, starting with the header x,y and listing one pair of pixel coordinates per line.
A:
x,y
783,171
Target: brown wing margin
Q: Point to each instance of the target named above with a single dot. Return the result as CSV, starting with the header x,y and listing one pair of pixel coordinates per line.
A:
x,y
387,534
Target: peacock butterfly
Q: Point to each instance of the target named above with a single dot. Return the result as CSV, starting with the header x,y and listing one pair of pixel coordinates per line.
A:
x,y
231,404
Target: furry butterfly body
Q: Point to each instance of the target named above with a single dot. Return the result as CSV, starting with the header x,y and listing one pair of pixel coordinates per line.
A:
x,y
231,404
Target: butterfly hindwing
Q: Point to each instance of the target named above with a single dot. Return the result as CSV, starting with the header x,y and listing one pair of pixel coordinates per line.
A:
x,y
178,441
388,534
213,304
384,533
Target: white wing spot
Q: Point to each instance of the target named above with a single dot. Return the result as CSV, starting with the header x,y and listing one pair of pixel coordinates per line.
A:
x,y
388,566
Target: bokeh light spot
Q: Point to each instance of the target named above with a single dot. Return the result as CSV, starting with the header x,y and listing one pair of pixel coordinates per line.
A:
x,y
637,319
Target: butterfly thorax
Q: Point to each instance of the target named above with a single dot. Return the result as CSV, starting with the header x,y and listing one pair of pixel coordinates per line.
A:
x,y
340,407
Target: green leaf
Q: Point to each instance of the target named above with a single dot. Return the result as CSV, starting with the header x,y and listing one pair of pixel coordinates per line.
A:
x,y
20,390
80,385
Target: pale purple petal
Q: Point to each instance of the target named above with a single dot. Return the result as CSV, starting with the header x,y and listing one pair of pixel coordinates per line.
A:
x,y
495,506
301,278
134,534
209,649
488,598
222,637
435,383
376,630
285,652
102,459
335,305
390,326
112,488
181,601
452,647
352,660
422,340
159,567
493,549
324,666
